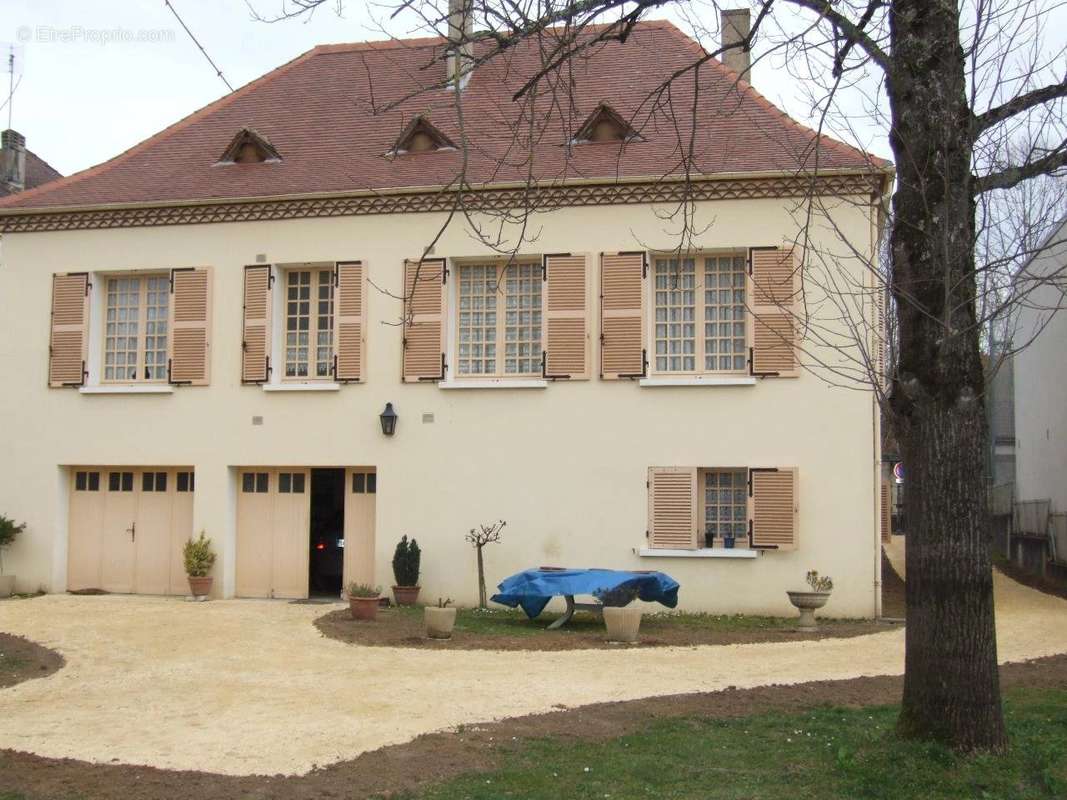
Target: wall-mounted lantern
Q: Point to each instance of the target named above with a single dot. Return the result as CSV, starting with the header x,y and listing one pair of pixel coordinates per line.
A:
x,y
388,418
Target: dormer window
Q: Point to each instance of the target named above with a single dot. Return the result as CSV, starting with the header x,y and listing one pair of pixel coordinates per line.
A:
x,y
420,136
605,125
249,147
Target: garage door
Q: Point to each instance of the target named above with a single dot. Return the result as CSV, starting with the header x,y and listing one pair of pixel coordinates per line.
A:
x,y
361,492
273,519
127,529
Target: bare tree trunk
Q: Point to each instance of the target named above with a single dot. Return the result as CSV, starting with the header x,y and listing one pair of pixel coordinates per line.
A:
x,y
481,580
951,685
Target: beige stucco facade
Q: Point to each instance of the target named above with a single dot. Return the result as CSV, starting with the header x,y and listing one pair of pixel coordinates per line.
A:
x,y
564,465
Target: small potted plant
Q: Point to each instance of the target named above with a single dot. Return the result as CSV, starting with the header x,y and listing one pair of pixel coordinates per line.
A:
x,y
406,560
199,558
622,620
440,619
363,601
807,601
9,531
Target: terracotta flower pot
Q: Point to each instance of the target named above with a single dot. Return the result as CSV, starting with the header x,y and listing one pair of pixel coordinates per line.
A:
x,y
439,622
200,586
806,603
364,608
7,585
622,623
405,595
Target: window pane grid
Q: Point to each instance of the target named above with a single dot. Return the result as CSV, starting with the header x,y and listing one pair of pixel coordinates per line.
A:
x,y
136,328
522,322
309,309
725,504
477,319
324,326
675,283
724,314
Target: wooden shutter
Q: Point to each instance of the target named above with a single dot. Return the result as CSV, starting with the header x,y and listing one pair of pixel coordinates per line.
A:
x,y
566,323
351,305
424,323
68,346
886,508
879,344
672,508
622,318
190,322
772,516
774,279
255,342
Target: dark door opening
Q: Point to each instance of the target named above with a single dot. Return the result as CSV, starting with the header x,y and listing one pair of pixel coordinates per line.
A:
x,y
326,561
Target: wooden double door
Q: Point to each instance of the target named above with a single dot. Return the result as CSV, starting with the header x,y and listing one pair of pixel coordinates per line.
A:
x,y
127,528
274,528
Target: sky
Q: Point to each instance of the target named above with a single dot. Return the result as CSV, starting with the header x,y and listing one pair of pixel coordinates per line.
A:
x,y
95,78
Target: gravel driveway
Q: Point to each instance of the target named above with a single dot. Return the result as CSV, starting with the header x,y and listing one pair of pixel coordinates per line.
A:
x,y
249,687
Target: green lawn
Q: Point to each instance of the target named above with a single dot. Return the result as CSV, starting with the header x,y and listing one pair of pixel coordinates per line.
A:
x,y
823,754
512,622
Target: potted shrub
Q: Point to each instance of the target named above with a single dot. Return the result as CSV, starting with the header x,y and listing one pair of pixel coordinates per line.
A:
x,y
440,619
363,601
620,618
9,531
406,560
807,601
199,558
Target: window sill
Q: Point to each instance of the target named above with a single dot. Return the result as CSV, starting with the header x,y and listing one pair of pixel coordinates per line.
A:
x,y
494,383
704,552
127,389
302,387
696,380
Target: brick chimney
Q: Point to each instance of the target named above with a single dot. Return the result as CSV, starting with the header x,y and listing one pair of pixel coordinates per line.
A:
x,y
460,27
735,24
12,161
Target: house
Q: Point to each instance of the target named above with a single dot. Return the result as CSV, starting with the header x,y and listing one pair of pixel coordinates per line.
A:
x,y
21,169
1038,333
210,325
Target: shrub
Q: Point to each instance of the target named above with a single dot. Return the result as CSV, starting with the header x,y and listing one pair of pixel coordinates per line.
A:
x,y
364,590
9,531
817,584
199,557
406,560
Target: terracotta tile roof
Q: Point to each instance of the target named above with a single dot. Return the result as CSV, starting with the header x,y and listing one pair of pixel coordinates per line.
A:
x,y
38,172
322,113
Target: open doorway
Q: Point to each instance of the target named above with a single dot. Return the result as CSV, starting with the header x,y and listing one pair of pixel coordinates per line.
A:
x,y
327,531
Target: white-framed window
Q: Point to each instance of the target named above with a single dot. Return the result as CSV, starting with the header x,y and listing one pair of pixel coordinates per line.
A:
x,y
699,318
723,505
498,320
307,351
135,330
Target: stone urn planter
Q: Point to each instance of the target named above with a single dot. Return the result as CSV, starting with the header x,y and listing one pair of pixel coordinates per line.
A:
x,y
200,585
622,623
439,621
806,603
406,595
7,585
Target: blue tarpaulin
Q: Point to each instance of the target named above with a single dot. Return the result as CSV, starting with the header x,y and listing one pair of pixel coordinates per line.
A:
x,y
533,588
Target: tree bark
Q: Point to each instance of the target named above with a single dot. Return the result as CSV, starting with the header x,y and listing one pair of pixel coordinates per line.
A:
x,y
481,580
951,684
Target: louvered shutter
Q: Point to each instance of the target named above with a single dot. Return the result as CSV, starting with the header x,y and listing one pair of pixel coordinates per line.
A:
x,y
672,508
255,343
879,344
774,292
886,508
190,322
773,508
566,324
351,304
68,346
424,326
622,318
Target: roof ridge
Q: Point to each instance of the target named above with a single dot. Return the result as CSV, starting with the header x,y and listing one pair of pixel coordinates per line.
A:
x,y
174,127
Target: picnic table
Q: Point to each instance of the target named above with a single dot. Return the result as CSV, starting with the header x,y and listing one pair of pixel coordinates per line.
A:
x,y
531,589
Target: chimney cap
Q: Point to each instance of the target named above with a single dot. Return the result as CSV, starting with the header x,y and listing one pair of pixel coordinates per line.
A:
x,y
12,139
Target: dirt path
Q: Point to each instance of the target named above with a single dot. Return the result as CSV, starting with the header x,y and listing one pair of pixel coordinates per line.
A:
x,y
435,757
247,687
22,660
